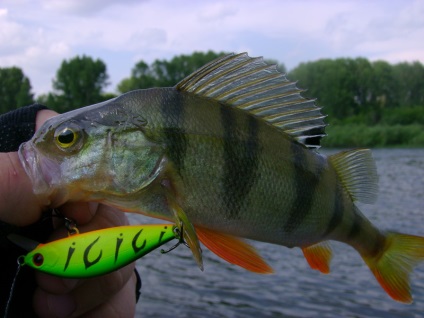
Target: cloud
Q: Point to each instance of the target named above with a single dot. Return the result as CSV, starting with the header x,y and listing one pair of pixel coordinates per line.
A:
x,y
84,7
216,12
149,37
12,38
38,35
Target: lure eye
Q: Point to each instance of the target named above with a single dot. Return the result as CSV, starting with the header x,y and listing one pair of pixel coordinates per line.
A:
x,y
67,137
38,259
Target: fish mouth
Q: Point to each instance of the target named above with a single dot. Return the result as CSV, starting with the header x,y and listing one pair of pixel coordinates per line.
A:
x,y
40,177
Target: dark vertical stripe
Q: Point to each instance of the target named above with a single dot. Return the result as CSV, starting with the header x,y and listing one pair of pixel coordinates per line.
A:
x,y
241,160
174,133
338,210
306,183
356,226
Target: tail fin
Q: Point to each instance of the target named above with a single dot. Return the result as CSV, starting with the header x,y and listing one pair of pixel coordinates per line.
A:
x,y
392,266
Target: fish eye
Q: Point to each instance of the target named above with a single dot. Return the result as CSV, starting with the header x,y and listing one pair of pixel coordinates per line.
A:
x,y
66,137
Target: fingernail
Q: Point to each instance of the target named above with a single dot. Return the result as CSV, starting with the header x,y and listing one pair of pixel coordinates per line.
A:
x,y
61,305
92,207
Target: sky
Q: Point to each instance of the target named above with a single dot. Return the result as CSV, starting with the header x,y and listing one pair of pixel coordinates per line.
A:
x,y
37,35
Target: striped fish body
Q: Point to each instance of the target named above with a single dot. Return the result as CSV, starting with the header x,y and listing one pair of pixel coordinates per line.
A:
x,y
228,152
239,175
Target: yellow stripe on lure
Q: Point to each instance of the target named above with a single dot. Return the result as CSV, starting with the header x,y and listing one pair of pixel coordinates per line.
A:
x,y
97,252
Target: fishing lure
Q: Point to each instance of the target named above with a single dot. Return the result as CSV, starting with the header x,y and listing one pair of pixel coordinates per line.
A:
x,y
97,252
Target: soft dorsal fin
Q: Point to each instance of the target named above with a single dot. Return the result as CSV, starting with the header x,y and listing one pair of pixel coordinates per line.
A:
x,y
260,89
358,174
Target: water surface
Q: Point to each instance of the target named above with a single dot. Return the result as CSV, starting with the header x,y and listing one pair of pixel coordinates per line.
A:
x,y
173,286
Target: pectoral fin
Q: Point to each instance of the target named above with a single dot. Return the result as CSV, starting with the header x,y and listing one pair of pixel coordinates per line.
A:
x,y
234,250
318,256
189,234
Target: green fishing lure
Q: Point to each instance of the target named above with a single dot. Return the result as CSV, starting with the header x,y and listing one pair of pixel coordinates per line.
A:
x,y
95,253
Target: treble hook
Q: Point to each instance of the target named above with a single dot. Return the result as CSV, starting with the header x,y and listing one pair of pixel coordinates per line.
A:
x,y
70,224
180,234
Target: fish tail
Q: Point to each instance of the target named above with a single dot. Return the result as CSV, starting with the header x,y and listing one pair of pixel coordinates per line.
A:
x,y
391,267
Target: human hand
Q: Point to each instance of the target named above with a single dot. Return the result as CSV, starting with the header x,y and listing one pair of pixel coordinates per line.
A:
x,y
104,296
111,294
18,203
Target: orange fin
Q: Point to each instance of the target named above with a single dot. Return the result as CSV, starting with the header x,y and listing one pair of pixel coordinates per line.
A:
x,y
234,250
400,254
318,256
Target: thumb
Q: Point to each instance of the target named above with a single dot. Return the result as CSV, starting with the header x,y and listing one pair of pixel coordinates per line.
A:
x,y
18,203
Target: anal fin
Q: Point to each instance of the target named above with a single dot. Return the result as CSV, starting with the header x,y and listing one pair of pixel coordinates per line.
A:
x,y
318,256
234,250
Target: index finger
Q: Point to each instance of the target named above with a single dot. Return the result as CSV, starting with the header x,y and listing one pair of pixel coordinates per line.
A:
x,y
94,215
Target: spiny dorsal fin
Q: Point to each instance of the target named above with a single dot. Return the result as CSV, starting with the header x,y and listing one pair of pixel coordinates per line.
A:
x,y
259,88
358,174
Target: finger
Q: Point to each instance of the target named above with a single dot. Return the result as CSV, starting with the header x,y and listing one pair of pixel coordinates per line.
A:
x,y
86,296
42,116
56,285
122,304
80,212
92,216
18,203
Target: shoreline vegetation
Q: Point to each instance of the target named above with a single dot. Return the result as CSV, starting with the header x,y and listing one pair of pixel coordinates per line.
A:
x,y
396,127
378,136
367,104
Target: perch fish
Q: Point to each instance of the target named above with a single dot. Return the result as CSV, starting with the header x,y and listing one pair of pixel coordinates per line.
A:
x,y
230,152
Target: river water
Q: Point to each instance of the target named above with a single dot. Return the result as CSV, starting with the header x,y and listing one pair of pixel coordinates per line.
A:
x,y
173,286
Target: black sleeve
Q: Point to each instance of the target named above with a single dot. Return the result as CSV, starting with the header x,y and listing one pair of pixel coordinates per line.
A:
x,y
17,127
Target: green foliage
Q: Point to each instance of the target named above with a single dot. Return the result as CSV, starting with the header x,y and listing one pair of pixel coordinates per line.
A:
x,y
79,82
352,87
15,89
397,126
403,115
410,77
342,136
107,96
163,73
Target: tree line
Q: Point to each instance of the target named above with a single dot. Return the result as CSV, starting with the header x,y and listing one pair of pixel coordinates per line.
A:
x,y
351,90
82,81
357,88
